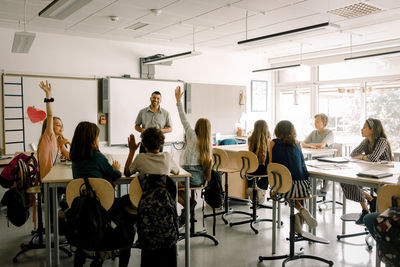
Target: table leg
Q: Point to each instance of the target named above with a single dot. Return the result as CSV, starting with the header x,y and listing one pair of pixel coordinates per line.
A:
x,y
47,224
274,226
313,201
55,226
343,213
279,216
187,224
333,197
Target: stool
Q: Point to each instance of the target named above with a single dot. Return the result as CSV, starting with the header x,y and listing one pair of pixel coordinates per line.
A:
x,y
280,180
352,217
193,233
221,160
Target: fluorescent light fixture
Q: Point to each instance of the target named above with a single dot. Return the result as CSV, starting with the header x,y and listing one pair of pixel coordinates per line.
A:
x,y
137,26
288,34
170,58
278,68
373,55
22,42
60,9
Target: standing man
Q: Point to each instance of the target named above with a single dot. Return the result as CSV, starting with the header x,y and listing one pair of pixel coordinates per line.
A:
x,y
153,116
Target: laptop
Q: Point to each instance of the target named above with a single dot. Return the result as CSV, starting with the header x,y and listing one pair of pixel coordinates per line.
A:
x,y
334,160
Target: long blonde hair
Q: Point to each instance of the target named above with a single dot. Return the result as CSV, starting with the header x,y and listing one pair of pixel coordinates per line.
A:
x,y
259,140
203,133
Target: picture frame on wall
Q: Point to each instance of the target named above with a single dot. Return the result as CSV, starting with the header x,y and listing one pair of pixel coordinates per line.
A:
x,y
259,96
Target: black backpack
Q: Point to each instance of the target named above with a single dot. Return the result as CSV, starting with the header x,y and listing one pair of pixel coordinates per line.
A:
x,y
86,220
18,204
157,224
213,195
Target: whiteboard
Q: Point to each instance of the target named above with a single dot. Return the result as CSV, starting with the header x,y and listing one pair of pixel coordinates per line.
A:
x,y
75,100
128,96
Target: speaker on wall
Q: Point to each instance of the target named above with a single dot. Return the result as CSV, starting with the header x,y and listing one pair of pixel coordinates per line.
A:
x,y
188,98
105,95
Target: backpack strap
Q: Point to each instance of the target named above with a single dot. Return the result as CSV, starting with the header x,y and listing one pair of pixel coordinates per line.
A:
x,y
89,190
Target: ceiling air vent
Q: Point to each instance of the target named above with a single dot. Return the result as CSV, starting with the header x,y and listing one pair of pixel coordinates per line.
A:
x,y
356,10
137,26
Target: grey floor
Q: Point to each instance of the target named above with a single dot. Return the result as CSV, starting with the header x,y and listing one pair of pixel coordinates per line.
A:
x,y
238,245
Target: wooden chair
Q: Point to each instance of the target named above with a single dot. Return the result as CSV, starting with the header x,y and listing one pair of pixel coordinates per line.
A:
x,y
249,162
385,194
280,180
221,161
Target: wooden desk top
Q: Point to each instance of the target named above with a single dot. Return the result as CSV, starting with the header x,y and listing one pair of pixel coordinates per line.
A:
x,y
348,171
318,152
62,173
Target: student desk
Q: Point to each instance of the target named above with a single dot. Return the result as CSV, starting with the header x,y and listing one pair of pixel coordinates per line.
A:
x,y
347,173
310,153
61,174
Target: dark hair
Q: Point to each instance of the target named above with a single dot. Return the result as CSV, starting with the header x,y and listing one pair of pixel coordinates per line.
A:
x,y
156,93
152,138
286,132
83,143
377,132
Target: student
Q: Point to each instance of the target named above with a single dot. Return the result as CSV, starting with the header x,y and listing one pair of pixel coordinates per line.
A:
x,y
286,150
197,155
321,137
51,142
258,144
153,116
88,161
152,162
375,147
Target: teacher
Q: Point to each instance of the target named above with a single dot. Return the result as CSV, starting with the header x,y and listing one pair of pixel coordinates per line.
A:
x,y
153,116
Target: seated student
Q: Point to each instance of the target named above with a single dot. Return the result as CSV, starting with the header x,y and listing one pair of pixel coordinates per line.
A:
x,y
321,137
375,147
258,144
51,142
88,161
197,155
286,150
152,162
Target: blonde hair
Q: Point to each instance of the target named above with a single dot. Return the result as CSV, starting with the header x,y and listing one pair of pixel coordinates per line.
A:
x,y
323,118
203,133
259,140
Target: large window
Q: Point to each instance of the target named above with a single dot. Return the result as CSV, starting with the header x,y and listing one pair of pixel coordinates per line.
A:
x,y
294,106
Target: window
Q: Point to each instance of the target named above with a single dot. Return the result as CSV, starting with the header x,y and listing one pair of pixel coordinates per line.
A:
x,y
259,96
300,74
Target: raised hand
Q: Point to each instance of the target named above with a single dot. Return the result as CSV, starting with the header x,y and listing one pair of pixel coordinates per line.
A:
x,y
116,165
45,86
132,143
178,94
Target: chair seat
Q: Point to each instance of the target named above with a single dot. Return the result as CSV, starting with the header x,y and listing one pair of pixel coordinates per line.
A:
x,y
131,210
310,237
258,175
228,170
350,217
302,198
33,189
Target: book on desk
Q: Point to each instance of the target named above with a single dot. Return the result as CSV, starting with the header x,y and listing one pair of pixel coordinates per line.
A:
x,y
374,174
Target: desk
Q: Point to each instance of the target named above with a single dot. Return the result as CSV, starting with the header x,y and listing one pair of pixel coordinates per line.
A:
x,y
61,174
349,175
310,153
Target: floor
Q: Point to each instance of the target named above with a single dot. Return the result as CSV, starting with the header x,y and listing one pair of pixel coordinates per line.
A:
x,y
238,245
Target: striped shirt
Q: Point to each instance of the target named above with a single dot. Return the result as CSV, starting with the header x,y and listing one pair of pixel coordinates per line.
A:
x,y
379,153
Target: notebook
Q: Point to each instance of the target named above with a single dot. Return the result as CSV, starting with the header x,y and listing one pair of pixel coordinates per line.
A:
x,y
374,174
334,160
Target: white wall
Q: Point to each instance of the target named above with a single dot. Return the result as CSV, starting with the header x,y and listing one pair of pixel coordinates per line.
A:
x,y
53,54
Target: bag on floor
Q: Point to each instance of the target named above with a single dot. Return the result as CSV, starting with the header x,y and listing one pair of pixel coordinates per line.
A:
x,y
157,218
213,195
86,220
387,229
22,170
18,204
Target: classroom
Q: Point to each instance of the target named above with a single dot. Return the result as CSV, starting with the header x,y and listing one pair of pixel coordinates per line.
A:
x,y
234,86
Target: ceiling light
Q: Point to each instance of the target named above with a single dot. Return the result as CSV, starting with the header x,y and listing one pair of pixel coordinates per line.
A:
x,y
162,59
373,55
278,68
285,35
22,42
137,26
60,9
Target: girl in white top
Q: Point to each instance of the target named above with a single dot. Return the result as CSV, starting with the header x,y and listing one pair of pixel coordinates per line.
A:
x,y
197,155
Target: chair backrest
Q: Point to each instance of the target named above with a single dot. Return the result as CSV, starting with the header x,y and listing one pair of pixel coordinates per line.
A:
x,y
135,192
385,194
229,141
248,162
338,148
104,191
220,159
279,178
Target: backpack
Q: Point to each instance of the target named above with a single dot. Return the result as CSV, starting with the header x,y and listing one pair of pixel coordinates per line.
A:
x,y
21,169
86,220
213,195
18,204
157,218
387,235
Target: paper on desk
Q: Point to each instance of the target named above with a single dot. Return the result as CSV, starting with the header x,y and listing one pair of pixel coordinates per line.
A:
x,y
327,166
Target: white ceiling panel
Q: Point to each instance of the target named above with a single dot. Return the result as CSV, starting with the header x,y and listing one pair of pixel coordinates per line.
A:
x,y
147,4
123,11
385,4
163,18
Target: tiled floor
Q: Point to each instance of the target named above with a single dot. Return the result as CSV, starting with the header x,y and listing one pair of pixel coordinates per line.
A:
x,y
238,245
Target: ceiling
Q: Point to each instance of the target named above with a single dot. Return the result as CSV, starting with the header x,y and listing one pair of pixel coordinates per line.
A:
x,y
218,24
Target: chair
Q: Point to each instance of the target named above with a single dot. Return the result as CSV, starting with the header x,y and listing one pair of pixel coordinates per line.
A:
x,y
280,180
104,192
249,162
221,161
385,194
